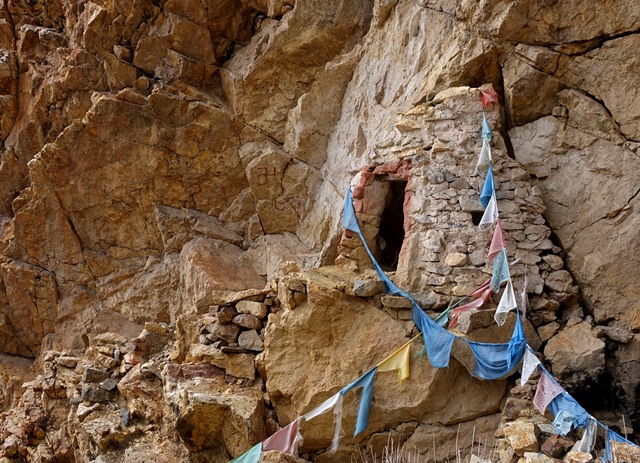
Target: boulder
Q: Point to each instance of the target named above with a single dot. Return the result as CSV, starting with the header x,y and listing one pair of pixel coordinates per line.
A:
x,y
523,436
298,378
576,355
209,269
601,205
251,340
208,412
248,321
257,309
238,365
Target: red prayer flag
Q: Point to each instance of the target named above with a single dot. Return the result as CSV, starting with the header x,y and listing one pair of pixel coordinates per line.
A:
x,y
286,440
489,95
547,391
471,306
497,242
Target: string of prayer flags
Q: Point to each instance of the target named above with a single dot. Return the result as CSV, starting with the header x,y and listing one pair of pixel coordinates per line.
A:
x,y
500,271
497,242
285,440
547,390
494,361
529,364
488,189
488,94
506,304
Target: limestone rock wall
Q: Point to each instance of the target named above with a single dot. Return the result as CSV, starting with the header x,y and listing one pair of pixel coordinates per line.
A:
x,y
163,161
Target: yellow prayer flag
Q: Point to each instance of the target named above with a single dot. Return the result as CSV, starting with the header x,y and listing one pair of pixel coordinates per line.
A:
x,y
399,360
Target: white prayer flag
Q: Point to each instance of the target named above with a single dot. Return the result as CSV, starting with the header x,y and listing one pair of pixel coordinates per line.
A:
x,y
484,160
323,407
490,213
507,303
529,364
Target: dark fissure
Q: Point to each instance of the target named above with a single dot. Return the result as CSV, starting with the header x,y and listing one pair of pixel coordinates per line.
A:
x,y
391,233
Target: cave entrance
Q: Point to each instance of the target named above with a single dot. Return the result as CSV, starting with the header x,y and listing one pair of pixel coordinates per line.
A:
x,y
391,234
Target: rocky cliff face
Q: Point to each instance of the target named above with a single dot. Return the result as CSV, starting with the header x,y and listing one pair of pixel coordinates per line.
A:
x,y
172,179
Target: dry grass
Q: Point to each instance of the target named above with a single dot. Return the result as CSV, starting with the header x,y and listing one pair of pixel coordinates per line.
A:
x,y
397,453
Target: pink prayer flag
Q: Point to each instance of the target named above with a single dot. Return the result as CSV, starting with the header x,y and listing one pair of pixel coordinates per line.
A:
x,y
471,306
489,95
286,440
480,291
497,242
547,391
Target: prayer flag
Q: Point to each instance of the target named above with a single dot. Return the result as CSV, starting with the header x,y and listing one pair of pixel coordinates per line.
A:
x,y
398,361
337,423
489,95
506,304
473,306
366,383
349,220
490,213
562,422
488,188
285,440
588,441
567,403
547,390
486,131
497,242
500,271
485,159
323,407
480,291
494,361
437,340
524,298
529,364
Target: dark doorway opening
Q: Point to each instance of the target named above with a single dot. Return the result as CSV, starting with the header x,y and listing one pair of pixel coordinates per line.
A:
x,y
391,234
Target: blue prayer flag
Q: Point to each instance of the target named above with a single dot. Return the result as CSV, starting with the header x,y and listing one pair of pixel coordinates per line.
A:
x,y
486,131
366,383
567,404
494,361
349,220
250,456
500,271
487,188
437,340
